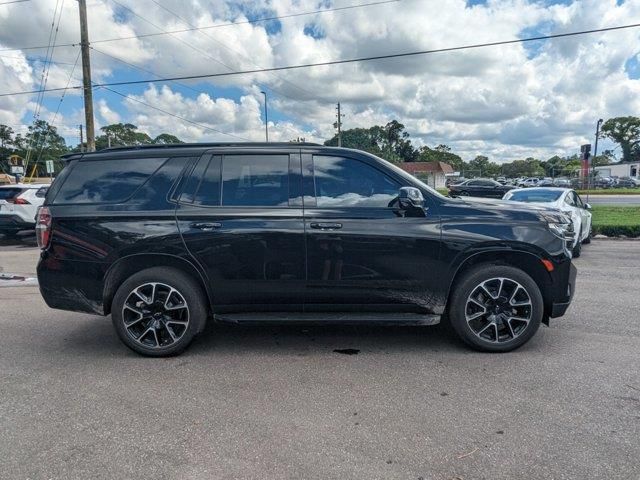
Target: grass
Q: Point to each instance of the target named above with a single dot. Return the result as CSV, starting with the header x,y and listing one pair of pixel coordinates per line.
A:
x,y
614,221
610,191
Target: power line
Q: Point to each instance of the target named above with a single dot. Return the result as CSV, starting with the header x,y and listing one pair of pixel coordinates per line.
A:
x,y
173,114
213,39
344,61
137,67
218,25
14,1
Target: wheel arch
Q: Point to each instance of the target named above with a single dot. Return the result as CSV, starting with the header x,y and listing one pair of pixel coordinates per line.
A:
x,y
131,264
528,262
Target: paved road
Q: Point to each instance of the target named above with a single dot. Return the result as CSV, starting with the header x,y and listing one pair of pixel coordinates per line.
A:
x,y
278,402
628,200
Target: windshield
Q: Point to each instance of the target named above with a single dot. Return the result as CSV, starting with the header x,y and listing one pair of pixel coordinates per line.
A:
x,y
541,196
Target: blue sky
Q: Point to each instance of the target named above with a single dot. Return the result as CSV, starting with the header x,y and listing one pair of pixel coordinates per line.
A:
x,y
504,102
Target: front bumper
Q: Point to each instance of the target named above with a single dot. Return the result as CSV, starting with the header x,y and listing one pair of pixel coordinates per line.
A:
x,y
561,304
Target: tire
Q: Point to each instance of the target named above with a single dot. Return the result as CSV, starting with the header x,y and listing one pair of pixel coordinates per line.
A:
x,y
502,327
158,312
464,193
577,250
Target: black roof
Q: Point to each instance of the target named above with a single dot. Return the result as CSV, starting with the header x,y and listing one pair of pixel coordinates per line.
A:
x,y
191,146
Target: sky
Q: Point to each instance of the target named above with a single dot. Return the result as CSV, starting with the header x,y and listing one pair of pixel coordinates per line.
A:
x,y
506,102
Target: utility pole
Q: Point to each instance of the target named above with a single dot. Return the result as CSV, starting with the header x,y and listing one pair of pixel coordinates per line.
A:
x,y
81,139
86,76
338,125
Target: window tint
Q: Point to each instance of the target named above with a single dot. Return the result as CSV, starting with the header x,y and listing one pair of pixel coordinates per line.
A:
x,y
569,199
42,192
343,182
7,193
255,180
106,181
578,200
153,193
209,189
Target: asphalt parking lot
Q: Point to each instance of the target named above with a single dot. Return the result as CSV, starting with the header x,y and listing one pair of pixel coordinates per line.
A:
x,y
278,402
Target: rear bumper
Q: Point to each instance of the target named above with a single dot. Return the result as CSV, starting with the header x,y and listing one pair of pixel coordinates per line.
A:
x,y
565,295
15,222
71,285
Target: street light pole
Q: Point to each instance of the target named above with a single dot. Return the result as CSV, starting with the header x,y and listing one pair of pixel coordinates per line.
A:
x,y
266,117
595,154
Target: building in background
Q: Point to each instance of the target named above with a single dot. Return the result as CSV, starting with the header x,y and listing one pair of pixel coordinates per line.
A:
x,y
620,169
432,173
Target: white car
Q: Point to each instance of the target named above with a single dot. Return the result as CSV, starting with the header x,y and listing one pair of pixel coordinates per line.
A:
x,y
529,182
563,199
18,206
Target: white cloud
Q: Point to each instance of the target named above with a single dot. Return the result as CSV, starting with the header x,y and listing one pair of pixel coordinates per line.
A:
x,y
506,102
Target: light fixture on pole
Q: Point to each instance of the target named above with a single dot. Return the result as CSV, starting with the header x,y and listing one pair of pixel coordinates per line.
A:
x,y
266,117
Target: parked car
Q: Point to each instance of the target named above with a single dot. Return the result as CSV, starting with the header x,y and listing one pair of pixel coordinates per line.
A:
x,y
562,199
529,182
453,181
18,206
545,182
562,182
166,238
627,182
501,180
479,187
603,182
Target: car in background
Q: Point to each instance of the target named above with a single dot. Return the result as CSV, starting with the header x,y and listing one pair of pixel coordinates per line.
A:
x,y
545,182
18,206
479,187
528,182
453,181
604,182
627,182
565,200
502,180
562,182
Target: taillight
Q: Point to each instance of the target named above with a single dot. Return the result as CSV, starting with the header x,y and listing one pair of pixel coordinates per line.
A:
x,y
21,201
43,227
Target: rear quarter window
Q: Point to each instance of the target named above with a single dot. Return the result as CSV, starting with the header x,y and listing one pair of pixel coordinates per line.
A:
x,y
8,193
106,181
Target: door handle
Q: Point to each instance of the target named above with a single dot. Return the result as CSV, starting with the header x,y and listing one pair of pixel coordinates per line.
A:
x,y
207,227
326,225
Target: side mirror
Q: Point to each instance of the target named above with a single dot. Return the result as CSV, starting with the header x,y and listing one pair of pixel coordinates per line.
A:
x,y
410,197
587,206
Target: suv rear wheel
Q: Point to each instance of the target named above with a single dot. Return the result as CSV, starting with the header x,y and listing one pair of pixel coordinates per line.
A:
x,y
496,308
158,311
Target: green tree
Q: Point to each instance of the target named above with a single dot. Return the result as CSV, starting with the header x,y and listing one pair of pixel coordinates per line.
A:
x,y
441,153
166,139
390,141
626,132
6,142
120,135
484,167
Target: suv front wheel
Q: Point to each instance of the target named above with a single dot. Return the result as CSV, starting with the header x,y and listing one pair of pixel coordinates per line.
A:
x,y
158,311
496,308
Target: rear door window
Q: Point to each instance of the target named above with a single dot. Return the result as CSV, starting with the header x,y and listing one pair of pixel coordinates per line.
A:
x,y
255,180
106,181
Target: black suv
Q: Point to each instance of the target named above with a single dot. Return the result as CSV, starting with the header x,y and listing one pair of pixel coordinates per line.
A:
x,y
164,238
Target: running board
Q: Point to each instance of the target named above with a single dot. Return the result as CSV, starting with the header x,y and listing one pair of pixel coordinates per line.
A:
x,y
330,317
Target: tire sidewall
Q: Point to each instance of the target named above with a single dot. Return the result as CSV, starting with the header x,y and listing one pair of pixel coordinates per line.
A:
x,y
469,282
185,285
